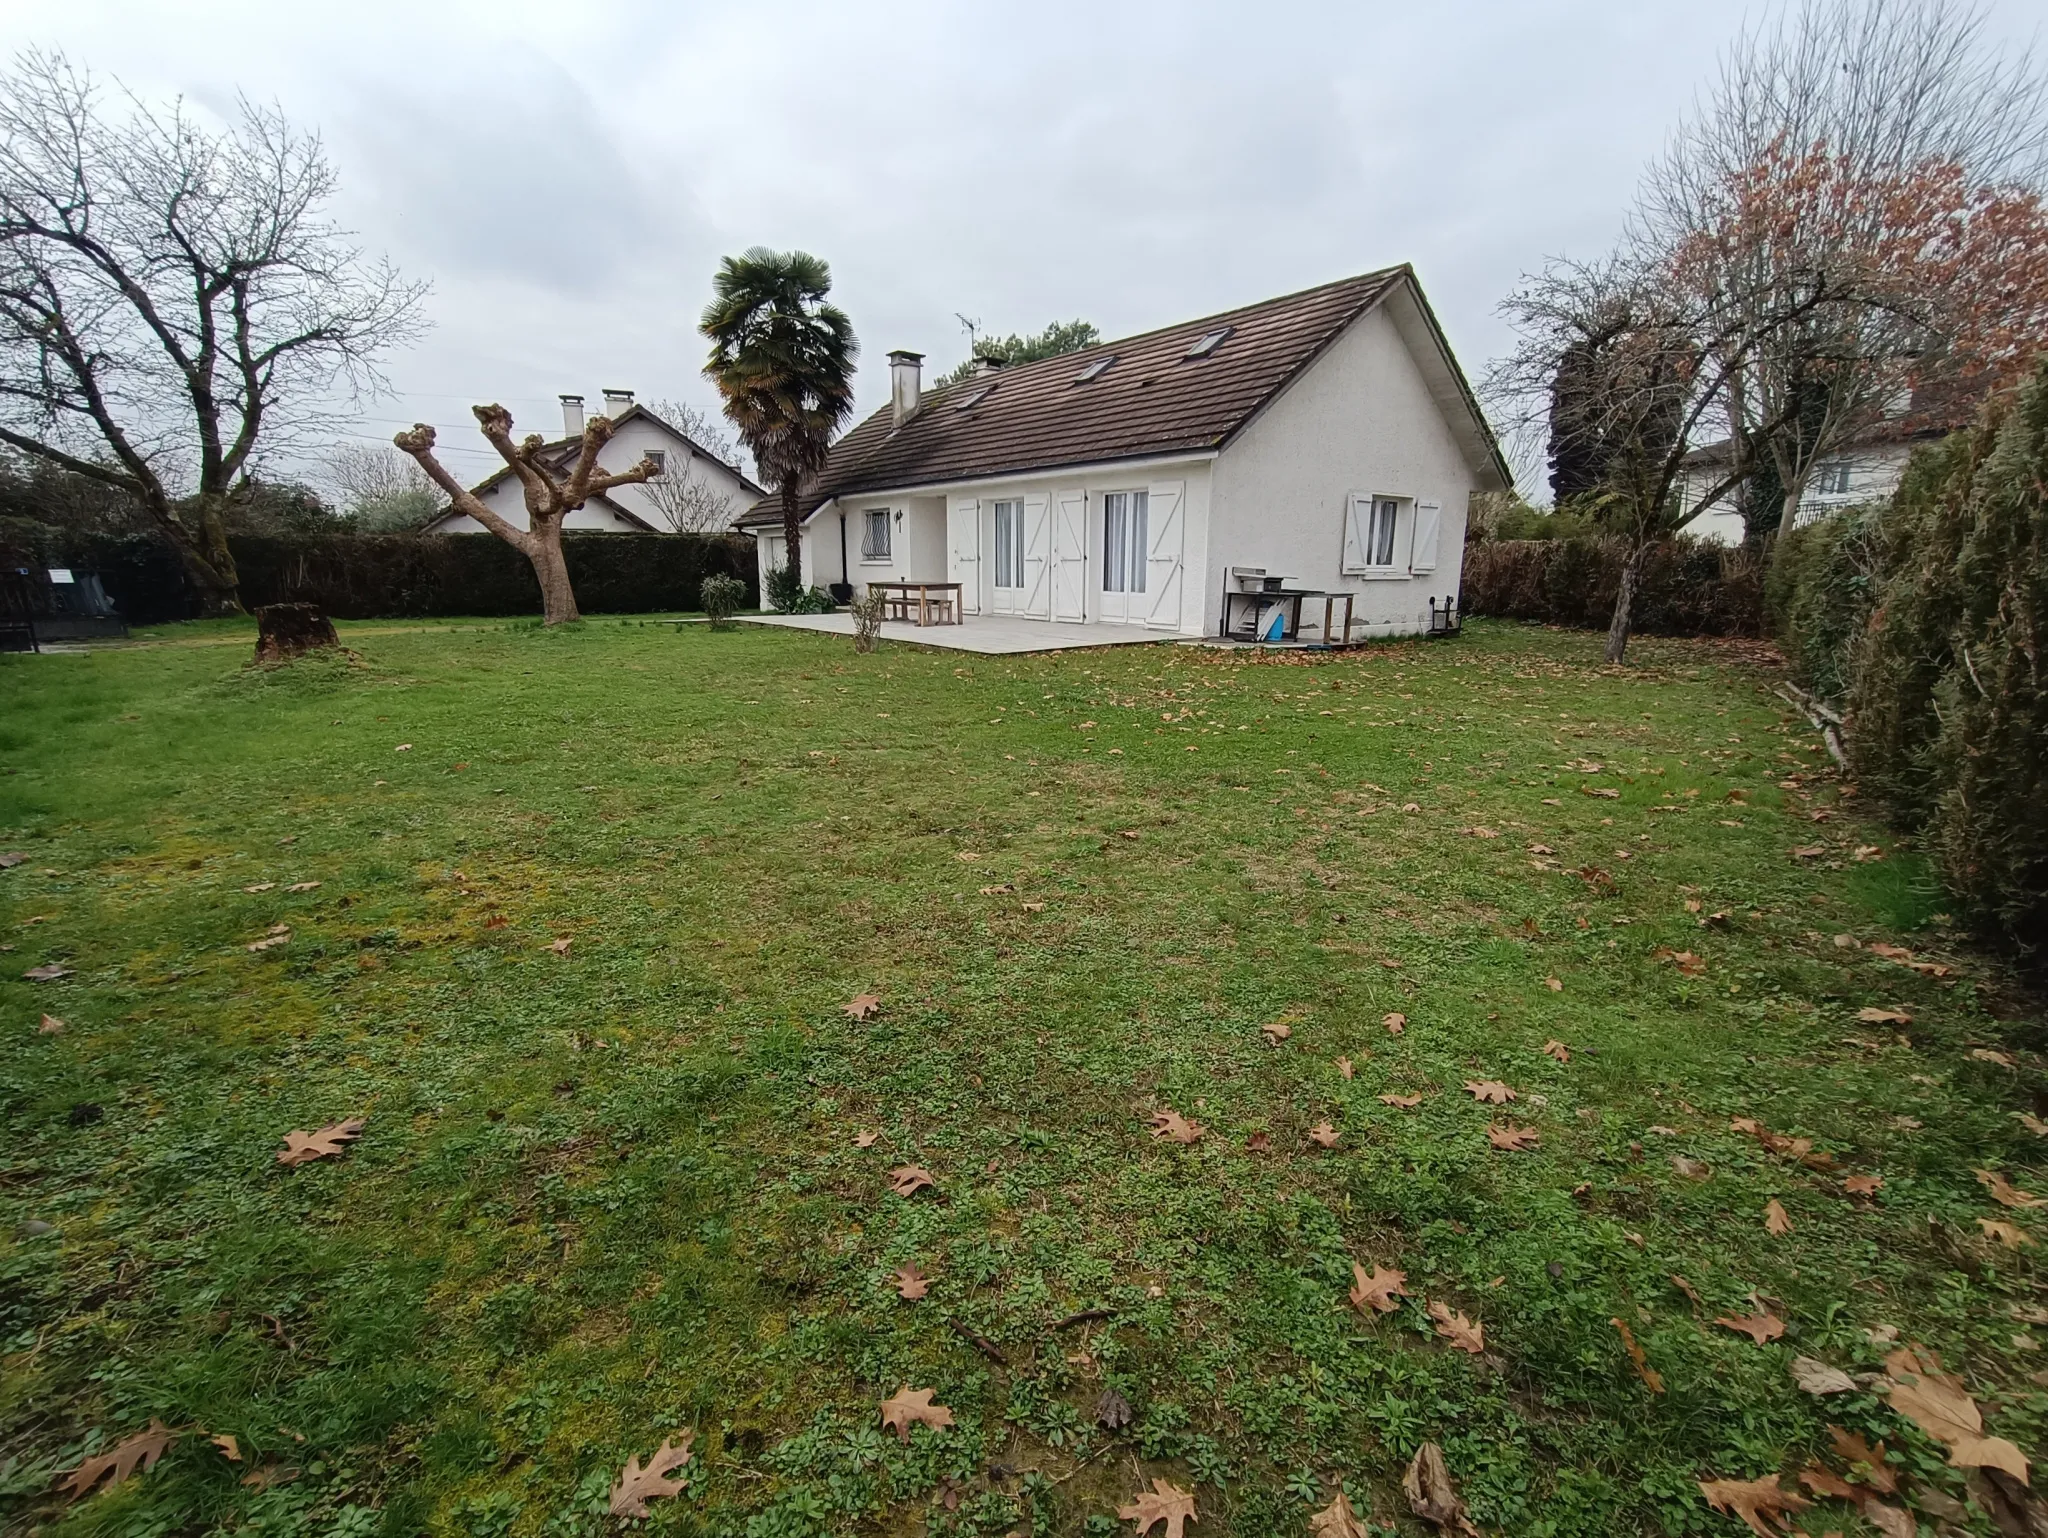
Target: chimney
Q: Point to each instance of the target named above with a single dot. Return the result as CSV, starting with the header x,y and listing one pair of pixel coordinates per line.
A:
x,y
572,416
985,366
616,401
905,384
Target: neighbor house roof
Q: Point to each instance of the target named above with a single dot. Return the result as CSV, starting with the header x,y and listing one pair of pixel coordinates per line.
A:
x,y
1151,399
556,450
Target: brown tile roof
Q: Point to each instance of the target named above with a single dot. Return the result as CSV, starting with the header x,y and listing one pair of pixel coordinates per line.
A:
x,y
1151,400
558,451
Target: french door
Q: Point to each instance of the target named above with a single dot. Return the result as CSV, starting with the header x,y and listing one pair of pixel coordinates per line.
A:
x,y
1125,515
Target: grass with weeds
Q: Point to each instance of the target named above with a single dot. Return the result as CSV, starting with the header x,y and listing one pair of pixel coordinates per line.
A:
x,y
608,1196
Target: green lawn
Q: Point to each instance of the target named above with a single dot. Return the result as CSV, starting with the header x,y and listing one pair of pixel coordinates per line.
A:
x,y
609,1196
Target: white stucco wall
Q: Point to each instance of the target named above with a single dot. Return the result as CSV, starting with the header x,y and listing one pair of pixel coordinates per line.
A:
x,y
1361,420
1874,474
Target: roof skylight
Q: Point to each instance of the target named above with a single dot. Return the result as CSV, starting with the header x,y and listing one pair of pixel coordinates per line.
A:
x,y
1208,343
1095,370
975,398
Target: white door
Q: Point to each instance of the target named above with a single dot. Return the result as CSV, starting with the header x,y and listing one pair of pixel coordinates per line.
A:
x,y
1164,577
1006,577
1070,556
963,551
1036,600
1126,517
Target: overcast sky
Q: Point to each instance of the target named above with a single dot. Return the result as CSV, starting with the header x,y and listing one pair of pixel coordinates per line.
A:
x,y
567,175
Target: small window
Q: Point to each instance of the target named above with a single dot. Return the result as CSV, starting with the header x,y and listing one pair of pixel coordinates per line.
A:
x,y
1209,343
1379,543
1010,544
1124,515
874,535
973,399
1095,370
1832,480
660,458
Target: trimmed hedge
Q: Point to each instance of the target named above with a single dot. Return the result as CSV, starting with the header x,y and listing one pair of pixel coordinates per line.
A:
x,y
392,576
1688,587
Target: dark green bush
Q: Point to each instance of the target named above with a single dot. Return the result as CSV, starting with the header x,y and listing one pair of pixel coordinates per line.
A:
x,y
1688,587
786,594
378,576
1818,595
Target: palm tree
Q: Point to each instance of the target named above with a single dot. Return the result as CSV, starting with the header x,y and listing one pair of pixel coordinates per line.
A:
x,y
783,360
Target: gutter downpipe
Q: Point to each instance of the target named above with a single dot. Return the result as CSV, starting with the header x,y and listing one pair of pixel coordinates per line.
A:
x,y
844,575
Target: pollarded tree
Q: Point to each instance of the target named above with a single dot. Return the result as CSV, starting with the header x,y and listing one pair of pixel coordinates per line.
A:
x,y
173,301
554,489
782,358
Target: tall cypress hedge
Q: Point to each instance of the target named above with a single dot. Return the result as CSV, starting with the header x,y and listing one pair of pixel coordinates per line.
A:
x,y
1688,587
387,576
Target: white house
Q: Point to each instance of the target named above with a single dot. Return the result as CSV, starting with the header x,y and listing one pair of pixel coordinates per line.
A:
x,y
1326,439
1866,470
695,491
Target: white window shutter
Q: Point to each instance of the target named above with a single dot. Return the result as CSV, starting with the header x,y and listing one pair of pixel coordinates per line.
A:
x,y
1357,512
1166,544
1429,517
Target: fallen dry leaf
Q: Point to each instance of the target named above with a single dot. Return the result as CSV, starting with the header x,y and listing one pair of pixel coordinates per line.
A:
x,y
1690,1168
2010,1235
560,947
1866,1463
2005,1193
1829,1485
1553,985
1809,851
1162,1503
1277,1031
1463,1334
1987,1055
866,1139
261,886
1175,1128
1395,1023
2031,1122
1817,1377
1512,1138
1112,1410
1034,907
1344,1067
1939,1405
1863,1185
280,934
1753,1500
12,858
138,1451
1600,792
1489,1091
863,1007
1761,1328
1775,1219
1403,1102
270,1474
1323,1135
1259,1142
914,1407
911,1283
638,1486
1688,1289
1558,1050
1890,1521
52,1026
1652,1379
303,886
998,889
1431,1496
304,1147
1379,1290
1875,1016
1338,1520
908,1179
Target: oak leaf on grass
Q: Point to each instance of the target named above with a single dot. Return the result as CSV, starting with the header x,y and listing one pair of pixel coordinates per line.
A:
x,y
1512,1138
2005,1193
1866,1463
1652,1379
1378,1291
1431,1495
1464,1334
1489,1091
560,947
1875,1016
230,1449
1344,1067
909,1179
1863,1185
1395,1022
1939,1405
1401,1102
1323,1135
1753,1500
866,1139
1172,1127
1990,1055
910,1283
1338,1520
1276,1031
1776,1222
863,1006
1816,1377
914,1407
2010,1235
1162,1503
52,1026
1557,1049
637,1486
1761,1328
2031,1122
138,1451
304,1147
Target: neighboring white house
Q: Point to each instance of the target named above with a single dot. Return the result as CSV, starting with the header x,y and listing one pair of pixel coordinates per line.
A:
x,y
692,479
1868,470
1327,437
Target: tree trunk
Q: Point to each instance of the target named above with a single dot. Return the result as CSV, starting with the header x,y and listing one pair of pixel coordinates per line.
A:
x,y
1625,602
557,597
792,528
223,596
288,630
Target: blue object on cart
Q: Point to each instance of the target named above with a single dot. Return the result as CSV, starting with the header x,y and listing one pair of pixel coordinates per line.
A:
x,y
1274,626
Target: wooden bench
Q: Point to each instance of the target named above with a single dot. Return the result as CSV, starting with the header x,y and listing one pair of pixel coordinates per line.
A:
x,y
924,603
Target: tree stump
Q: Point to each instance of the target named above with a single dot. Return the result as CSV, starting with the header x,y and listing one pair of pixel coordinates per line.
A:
x,y
288,630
